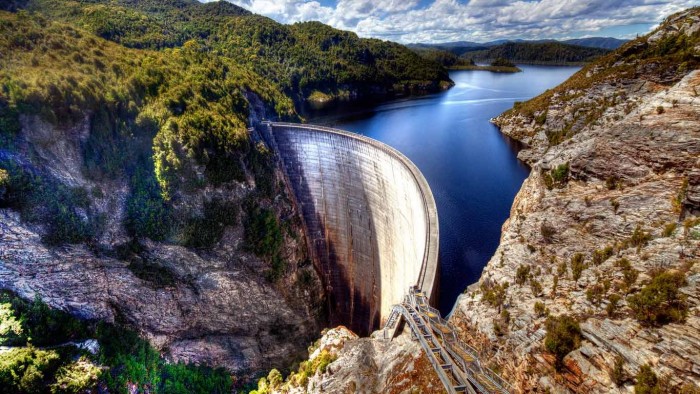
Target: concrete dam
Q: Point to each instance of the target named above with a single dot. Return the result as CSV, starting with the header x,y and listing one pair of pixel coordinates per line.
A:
x,y
369,216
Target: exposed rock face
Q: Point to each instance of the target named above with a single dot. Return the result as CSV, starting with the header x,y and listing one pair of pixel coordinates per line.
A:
x,y
369,365
213,307
633,164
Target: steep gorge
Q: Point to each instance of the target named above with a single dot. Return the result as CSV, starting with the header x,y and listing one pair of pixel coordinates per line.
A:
x,y
609,211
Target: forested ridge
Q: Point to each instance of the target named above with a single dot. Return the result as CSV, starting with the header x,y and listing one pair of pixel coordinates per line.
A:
x,y
537,53
300,58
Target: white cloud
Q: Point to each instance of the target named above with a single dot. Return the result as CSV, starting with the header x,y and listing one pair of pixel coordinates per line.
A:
x,y
474,20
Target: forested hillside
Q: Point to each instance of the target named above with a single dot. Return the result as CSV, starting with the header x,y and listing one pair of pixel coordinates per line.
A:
x,y
537,53
300,58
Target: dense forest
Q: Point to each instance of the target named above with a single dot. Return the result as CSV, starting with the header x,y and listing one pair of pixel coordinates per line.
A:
x,y
301,58
554,53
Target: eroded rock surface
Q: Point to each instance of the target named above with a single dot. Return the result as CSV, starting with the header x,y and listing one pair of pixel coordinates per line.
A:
x,y
367,365
632,146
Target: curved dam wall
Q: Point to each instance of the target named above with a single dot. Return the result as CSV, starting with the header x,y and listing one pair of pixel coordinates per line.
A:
x,y
369,215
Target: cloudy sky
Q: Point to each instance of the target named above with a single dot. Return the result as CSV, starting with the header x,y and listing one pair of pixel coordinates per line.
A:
x,y
409,21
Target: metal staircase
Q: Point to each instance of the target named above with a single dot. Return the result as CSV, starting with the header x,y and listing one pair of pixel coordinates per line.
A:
x,y
456,363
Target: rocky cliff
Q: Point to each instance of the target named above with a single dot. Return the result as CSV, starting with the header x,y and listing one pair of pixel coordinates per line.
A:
x,y
610,207
211,306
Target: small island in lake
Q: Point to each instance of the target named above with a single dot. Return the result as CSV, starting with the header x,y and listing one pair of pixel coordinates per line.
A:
x,y
499,65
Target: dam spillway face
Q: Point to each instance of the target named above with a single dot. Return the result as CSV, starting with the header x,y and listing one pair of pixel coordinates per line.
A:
x,y
369,217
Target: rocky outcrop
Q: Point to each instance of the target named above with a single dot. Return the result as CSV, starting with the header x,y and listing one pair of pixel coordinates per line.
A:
x,y
366,365
215,310
615,157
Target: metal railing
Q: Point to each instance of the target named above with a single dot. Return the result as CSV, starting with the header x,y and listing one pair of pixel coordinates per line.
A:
x,y
437,336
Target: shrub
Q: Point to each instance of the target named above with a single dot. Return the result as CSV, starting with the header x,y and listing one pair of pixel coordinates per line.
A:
x,y
629,274
660,109
494,294
540,309
42,199
615,204
78,377
311,367
522,273
536,287
555,283
10,326
35,322
262,232
660,302
498,330
563,336
541,118
577,266
613,302
4,177
594,294
639,237
182,378
647,381
613,182
669,229
505,316
562,269
147,212
205,232
561,173
677,200
275,378
617,375
548,231
601,255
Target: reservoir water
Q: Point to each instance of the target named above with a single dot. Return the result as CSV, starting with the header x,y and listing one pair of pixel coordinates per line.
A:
x,y
471,167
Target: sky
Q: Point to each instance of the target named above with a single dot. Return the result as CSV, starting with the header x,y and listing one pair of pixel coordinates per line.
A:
x,y
432,21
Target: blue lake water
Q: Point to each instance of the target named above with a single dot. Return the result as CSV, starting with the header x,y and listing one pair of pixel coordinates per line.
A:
x,y
471,167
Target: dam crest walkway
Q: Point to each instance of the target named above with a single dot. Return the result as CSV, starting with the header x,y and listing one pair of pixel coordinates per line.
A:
x,y
456,363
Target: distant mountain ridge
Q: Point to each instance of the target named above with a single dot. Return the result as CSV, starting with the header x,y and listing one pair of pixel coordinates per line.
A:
x,y
522,52
609,43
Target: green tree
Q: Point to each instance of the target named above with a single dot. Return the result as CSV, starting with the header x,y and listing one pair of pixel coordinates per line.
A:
x,y
563,336
9,325
25,370
75,378
577,266
660,301
522,273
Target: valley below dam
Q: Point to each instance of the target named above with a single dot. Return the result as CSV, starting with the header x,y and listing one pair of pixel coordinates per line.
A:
x,y
471,168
